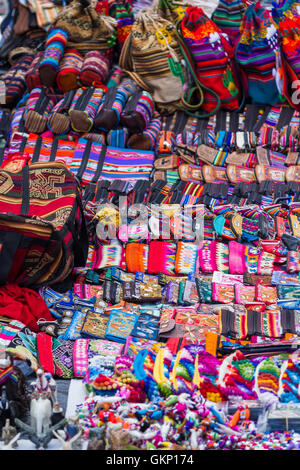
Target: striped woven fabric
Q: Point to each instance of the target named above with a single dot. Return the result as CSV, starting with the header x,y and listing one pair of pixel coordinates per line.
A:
x,y
32,77
46,12
153,60
44,199
37,109
228,16
6,374
153,130
148,139
9,331
64,150
126,164
126,88
117,137
15,122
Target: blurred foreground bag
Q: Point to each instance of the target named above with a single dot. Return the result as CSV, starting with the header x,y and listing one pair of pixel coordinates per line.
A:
x,y
42,228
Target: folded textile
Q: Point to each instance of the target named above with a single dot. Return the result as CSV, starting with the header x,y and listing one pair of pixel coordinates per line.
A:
x,y
23,304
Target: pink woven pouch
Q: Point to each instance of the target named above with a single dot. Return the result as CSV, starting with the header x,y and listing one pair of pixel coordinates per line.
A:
x,y
237,264
162,257
207,256
80,357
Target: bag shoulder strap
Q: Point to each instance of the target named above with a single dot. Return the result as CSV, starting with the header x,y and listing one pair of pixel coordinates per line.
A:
x,y
85,159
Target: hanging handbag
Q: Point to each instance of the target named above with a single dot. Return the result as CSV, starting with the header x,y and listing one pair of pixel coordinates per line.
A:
x,y
151,56
258,56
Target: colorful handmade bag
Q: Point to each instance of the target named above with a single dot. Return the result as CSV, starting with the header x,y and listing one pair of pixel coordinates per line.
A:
x,y
84,24
290,56
44,236
92,162
258,56
151,56
212,55
228,17
37,109
95,68
122,11
32,77
69,69
15,79
54,50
